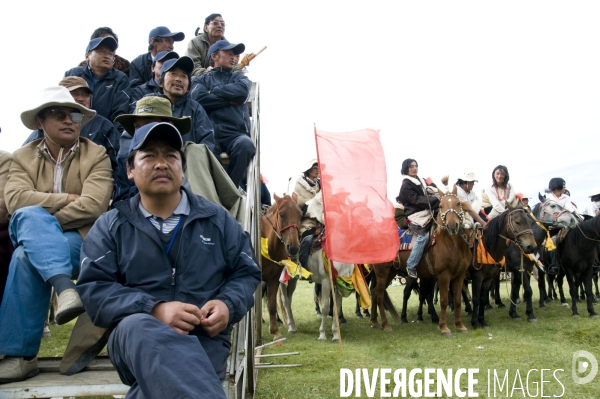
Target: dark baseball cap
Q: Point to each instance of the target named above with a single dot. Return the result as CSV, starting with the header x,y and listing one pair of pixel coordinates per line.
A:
x,y
107,41
225,45
165,55
157,130
163,31
184,63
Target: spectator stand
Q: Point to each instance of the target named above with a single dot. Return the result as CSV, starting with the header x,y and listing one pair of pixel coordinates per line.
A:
x,y
99,378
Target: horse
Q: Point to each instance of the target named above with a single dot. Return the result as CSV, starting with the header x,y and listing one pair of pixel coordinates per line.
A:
x,y
513,224
447,260
280,226
577,253
548,213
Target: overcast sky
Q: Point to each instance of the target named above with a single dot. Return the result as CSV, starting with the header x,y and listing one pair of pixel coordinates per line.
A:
x,y
459,86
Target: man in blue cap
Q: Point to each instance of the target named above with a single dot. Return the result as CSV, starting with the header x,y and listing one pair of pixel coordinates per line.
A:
x,y
224,95
170,273
151,86
159,39
174,83
110,86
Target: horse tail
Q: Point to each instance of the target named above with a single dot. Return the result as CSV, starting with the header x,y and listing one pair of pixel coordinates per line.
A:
x,y
416,288
389,306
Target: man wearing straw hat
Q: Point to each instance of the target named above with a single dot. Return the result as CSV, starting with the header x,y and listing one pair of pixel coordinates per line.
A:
x,y
56,189
593,209
464,192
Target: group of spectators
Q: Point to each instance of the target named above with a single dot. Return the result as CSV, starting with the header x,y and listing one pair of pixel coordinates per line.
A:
x,y
165,271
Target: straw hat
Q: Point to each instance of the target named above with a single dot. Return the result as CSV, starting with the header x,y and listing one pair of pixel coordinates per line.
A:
x,y
595,191
55,96
469,176
310,164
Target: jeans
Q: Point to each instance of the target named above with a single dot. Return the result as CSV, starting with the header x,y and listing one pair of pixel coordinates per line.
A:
x,y
42,251
417,251
158,362
240,150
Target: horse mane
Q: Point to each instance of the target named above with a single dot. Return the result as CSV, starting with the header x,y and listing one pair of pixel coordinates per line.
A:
x,y
490,236
536,209
590,228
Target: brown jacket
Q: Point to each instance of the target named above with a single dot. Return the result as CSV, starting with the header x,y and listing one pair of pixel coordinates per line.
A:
x,y
197,50
87,173
5,159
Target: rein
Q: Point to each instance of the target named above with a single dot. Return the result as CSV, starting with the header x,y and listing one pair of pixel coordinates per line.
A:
x,y
514,230
591,239
461,217
554,215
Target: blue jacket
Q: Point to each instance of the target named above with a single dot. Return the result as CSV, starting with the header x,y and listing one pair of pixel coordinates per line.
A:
x,y
202,128
140,91
99,130
125,270
140,70
111,92
229,120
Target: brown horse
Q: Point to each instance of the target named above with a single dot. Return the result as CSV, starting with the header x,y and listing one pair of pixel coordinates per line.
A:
x,y
280,226
447,260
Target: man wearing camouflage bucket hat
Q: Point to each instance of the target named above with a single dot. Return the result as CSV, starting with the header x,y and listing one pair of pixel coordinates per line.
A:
x,y
147,110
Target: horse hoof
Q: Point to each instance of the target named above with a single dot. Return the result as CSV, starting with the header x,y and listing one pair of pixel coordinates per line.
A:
x,y
517,319
342,320
576,316
359,315
388,329
334,340
486,327
446,334
594,316
532,320
322,339
501,305
404,321
566,305
277,336
376,326
292,331
462,330
318,313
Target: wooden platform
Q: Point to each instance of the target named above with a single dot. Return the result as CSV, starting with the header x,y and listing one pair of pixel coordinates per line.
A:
x,y
99,378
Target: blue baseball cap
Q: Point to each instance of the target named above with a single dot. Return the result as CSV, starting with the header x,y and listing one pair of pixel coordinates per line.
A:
x,y
184,63
107,41
225,45
165,55
163,31
157,130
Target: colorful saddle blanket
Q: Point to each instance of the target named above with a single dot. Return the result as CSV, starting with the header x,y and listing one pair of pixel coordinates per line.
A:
x,y
406,239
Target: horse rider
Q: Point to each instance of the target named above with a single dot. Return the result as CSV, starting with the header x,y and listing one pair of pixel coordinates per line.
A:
x,y
464,192
524,201
557,192
499,194
593,209
419,204
307,186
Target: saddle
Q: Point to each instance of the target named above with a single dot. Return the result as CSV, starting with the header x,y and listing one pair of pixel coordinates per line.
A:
x,y
407,237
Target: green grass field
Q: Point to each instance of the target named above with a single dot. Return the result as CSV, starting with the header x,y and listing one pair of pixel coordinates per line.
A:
x,y
514,346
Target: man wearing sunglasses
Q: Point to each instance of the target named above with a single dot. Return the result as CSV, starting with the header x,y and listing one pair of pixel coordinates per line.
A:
x,y
197,49
56,189
110,86
159,39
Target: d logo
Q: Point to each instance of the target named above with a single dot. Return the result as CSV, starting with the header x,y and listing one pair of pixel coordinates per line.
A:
x,y
580,366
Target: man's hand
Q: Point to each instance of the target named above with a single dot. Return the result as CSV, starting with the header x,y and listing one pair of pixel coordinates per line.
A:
x,y
445,179
216,317
181,317
72,198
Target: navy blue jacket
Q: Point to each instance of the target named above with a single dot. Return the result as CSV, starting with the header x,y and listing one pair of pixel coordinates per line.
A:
x,y
99,130
140,70
125,270
226,101
202,128
140,91
111,92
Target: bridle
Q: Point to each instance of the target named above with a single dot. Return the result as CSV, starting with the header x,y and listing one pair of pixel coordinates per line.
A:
x,y
554,215
513,229
460,213
277,228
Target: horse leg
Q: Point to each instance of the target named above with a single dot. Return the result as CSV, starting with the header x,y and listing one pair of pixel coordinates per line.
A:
x,y
587,281
457,285
572,291
436,290
406,296
288,291
444,284
390,276
476,294
596,284
542,288
317,291
561,291
527,296
272,287
430,306
515,285
334,329
378,292
357,308
497,298
325,306
466,298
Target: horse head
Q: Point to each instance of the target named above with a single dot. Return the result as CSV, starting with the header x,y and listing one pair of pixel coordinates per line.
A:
x,y
518,228
287,216
551,214
451,214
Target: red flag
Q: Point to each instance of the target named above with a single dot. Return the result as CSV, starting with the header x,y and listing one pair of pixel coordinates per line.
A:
x,y
359,219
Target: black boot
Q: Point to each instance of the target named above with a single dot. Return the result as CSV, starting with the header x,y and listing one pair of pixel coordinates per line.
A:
x,y
554,267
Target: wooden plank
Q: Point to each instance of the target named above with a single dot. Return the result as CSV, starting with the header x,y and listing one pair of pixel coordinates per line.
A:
x,y
52,364
47,385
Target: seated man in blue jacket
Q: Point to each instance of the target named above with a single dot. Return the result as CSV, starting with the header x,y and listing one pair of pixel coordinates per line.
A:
x,y
100,130
170,273
160,39
110,86
224,94
151,86
174,83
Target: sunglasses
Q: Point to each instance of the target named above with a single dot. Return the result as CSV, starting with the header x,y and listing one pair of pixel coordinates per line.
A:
x,y
60,115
